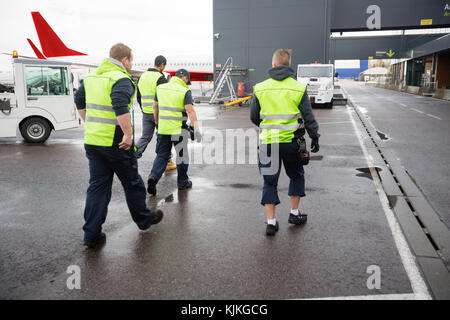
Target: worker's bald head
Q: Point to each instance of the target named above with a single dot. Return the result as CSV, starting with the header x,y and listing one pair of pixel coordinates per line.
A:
x,y
281,57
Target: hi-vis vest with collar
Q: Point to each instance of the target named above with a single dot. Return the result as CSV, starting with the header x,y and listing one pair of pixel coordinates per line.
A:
x,y
101,120
171,106
279,101
147,87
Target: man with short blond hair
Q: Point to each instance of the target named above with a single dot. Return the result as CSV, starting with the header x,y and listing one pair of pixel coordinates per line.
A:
x,y
282,57
282,110
104,101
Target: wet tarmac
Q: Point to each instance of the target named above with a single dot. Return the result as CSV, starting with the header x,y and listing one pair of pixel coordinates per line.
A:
x,y
416,129
211,243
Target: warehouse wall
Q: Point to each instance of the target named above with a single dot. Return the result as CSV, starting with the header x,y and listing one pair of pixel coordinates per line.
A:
x,y
251,30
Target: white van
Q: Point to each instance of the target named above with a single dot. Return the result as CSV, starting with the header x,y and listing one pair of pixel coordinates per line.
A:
x,y
319,79
42,100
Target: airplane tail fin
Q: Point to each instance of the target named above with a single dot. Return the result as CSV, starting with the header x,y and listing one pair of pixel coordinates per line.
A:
x,y
36,50
51,44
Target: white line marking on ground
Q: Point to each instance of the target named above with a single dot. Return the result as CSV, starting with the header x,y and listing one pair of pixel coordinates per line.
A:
x,y
417,110
403,105
430,115
405,296
417,283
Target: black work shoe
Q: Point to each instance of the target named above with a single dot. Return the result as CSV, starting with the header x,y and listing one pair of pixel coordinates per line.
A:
x,y
155,218
300,219
271,229
100,240
151,189
188,185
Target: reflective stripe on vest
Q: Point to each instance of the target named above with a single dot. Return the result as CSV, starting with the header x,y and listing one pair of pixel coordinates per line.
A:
x,y
279,101
280,116
101,120
147,87
171,99
99,107
171,109
173,118
293,126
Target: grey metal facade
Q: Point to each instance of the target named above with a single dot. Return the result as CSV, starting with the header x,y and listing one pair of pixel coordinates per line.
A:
x,y
395,14
251,30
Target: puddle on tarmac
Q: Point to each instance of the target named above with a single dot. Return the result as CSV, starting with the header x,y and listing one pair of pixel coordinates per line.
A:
x,y
316,158
365,172
382,135
241,185
392,201
179,196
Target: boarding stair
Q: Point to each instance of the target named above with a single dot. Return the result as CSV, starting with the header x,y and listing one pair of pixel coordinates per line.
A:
x,y
223,79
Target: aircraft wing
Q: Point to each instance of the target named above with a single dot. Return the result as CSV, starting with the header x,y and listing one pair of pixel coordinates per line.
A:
x,y
20,56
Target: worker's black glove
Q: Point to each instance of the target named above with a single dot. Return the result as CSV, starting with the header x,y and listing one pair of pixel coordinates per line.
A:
x,y
315,145
197,136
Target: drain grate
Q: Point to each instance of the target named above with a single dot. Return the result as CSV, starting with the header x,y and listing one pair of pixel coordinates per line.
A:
x,y
383,136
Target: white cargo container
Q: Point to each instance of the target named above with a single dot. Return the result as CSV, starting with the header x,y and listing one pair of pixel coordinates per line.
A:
x,y
42,100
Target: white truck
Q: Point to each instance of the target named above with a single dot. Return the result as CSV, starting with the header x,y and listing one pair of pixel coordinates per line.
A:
x,y
41,101
319,79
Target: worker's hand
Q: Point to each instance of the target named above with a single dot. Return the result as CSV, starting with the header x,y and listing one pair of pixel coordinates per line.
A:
x,y
126,143
315,145
197,135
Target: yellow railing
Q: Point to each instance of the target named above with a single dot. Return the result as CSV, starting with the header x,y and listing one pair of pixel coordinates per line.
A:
x,y
237,101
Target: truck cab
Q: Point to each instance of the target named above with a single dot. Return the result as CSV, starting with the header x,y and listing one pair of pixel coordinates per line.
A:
x,y
319,79
42,100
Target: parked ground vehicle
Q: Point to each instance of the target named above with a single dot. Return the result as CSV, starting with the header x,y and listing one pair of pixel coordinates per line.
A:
x,y
42,100
319,79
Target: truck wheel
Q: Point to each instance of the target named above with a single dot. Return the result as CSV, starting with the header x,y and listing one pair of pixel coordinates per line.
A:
x,y
35,130
330,104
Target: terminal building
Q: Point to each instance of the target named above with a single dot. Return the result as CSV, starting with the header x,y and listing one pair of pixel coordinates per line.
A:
x,y
250,31
428,69
350,68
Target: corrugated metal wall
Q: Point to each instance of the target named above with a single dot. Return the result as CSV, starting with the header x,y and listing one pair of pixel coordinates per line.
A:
x,y
251,30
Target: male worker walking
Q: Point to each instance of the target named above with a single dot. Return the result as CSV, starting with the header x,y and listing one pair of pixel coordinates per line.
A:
x,y
278,106
173,103
147,84
103,102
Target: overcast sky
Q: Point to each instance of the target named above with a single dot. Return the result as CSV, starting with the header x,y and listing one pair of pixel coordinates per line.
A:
x,y
175,28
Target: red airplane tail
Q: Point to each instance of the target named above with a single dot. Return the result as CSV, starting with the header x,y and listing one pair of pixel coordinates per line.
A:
x,y
36,50
51,44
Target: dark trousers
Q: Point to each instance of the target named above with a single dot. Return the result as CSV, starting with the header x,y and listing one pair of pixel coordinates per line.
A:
x,y
164,145
270,167
103,163
148,128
